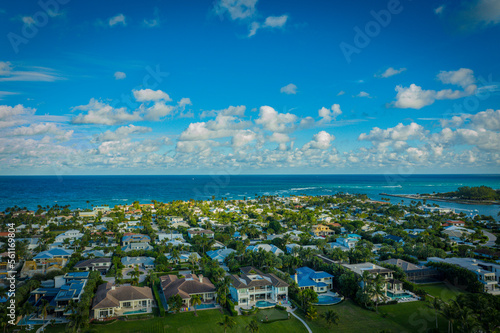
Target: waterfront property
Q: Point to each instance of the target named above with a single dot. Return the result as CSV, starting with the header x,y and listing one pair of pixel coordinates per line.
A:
x,y
307,278
188,286
113,301
252,286
392,287
487,273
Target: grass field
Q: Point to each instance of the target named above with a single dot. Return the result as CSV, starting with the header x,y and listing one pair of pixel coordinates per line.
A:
x,y
206,322
403,317
444,291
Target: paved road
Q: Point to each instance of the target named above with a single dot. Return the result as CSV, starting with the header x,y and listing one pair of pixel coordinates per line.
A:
x,y
491,238
303,322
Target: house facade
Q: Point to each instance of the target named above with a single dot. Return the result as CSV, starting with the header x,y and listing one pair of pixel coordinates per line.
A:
x,y
392,286
252,286
112,301
188,286
307,278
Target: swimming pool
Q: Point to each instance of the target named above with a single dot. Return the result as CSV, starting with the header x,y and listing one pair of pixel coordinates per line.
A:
x,y
396,296
205,306
328,300
264,304
135,312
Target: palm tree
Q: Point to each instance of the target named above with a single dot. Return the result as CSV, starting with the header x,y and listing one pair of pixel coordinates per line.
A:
x,y
227,322
45,309
378,284
437,304
311,313
135,275
449,312
331,318
253,326
195,300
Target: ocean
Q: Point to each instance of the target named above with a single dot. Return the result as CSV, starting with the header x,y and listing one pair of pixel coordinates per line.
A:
x,y
31,191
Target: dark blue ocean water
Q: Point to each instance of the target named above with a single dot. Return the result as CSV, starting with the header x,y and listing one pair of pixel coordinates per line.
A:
x,y
30,191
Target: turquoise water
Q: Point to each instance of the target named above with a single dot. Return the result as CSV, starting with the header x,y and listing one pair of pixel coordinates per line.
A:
x,y
264,304
31,191
134,312
391,295
326,300
205,306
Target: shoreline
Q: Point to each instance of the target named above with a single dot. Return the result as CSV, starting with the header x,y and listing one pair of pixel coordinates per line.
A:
x,y
460,201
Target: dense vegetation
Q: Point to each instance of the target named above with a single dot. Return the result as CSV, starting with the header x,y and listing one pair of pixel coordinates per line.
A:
x,y
479,193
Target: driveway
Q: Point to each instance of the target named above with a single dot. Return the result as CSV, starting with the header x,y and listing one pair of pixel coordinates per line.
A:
x,y
126,274
491,238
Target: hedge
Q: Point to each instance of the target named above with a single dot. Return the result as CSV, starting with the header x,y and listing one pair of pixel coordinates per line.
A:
x,y
158,300
230,308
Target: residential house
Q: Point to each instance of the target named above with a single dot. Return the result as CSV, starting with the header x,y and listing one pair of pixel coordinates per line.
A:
x,y
141,262
71,235
130,238
265,247
101,265
201,232
321,230
252,286
487,273
415,273
137,247
392,287
68,288
188,286
116,301
183,256
220,255
307,278
396,239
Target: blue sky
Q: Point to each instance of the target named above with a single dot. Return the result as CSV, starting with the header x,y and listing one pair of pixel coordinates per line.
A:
x,y
246,86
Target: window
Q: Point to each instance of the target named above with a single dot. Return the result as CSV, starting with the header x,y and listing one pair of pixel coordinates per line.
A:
x,y
145,303
127,304
103,313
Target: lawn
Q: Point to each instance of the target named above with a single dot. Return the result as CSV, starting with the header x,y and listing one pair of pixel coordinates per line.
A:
x,y
403,317
186,322
445,291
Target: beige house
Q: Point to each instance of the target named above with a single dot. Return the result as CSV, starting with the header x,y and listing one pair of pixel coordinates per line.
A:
x,y
111,301
188,286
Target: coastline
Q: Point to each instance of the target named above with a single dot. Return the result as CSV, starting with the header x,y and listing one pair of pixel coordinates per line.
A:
x,y
460,201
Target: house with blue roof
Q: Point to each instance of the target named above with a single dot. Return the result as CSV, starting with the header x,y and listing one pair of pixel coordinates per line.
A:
x,y
59,297
397,239
220,255
53,254
355,236
308,278
265,247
